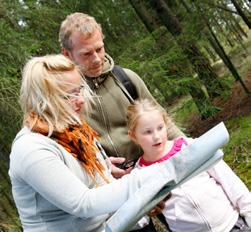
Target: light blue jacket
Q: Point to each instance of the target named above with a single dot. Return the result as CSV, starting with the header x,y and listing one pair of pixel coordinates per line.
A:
x,y
53,193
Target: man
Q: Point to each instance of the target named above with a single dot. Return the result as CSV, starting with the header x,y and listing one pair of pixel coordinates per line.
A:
x,y
81,40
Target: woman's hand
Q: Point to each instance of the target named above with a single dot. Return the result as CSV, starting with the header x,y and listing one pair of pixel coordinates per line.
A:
x,y
118,172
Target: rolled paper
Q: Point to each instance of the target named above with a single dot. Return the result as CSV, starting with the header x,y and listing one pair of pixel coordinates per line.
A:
x,y
195,158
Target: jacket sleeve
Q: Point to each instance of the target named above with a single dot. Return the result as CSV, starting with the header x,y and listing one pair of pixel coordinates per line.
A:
x,y
47,174
40,167
235,189
143,92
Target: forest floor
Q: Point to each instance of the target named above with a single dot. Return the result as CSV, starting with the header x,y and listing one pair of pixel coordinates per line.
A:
x,y
236,105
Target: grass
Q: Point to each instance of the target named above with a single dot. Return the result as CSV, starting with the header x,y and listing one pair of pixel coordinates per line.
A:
x,y
238,150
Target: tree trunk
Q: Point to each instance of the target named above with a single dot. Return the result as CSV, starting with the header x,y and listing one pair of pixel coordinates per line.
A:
x,y
148,20
203,104
241,13
240,28
221,52
219,27
210,52
197,93
199,62
219,49
237,34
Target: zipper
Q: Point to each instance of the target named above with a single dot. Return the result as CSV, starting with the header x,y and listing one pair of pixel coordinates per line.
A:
x,y
95,82
105,122
197,208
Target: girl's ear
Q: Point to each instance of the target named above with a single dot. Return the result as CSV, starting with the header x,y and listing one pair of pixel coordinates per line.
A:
x,y
131,134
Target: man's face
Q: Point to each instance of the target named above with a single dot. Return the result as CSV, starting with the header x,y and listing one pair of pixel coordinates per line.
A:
x,y
88,52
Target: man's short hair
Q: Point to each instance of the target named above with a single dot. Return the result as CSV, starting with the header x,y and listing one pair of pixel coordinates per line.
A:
x,y
80,22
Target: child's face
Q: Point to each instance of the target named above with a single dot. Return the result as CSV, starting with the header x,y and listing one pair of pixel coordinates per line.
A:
x,y
150,133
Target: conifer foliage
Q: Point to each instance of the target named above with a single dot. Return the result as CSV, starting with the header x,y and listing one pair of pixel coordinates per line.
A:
x,y
171,44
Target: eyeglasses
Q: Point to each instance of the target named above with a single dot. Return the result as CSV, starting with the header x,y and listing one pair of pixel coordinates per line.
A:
x,y
76,93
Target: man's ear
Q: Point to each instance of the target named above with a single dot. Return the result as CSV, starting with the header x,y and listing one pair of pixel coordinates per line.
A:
x,y
65,52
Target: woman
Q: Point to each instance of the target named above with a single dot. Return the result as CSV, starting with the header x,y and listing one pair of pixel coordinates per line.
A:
x,y
59,174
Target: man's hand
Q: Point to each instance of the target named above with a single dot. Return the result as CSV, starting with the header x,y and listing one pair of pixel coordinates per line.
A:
x,y
118,172
159,207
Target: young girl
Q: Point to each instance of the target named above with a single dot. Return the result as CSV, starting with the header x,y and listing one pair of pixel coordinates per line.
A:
x,y
216,200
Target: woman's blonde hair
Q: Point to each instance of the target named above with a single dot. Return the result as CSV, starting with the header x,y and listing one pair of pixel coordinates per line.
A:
x,y
139,108
77,21
42,91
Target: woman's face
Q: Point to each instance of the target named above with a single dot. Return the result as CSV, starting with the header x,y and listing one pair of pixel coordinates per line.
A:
x,y
73,86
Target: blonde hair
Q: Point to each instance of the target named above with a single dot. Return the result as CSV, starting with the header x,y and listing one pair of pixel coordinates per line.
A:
x,y
42,91
80,22
139,108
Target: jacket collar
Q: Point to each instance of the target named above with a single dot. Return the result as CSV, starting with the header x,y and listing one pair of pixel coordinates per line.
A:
x,y
107,68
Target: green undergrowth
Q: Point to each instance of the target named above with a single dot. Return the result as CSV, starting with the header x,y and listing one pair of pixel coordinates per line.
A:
x,y
182,110
237,152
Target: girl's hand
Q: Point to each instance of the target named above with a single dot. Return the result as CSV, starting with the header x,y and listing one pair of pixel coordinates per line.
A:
x,y
159,207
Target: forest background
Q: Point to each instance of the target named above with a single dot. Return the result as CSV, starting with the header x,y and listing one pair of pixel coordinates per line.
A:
x,y
194,56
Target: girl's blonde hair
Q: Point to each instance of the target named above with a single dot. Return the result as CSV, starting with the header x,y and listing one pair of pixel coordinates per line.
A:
x,y
42,91
139,108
